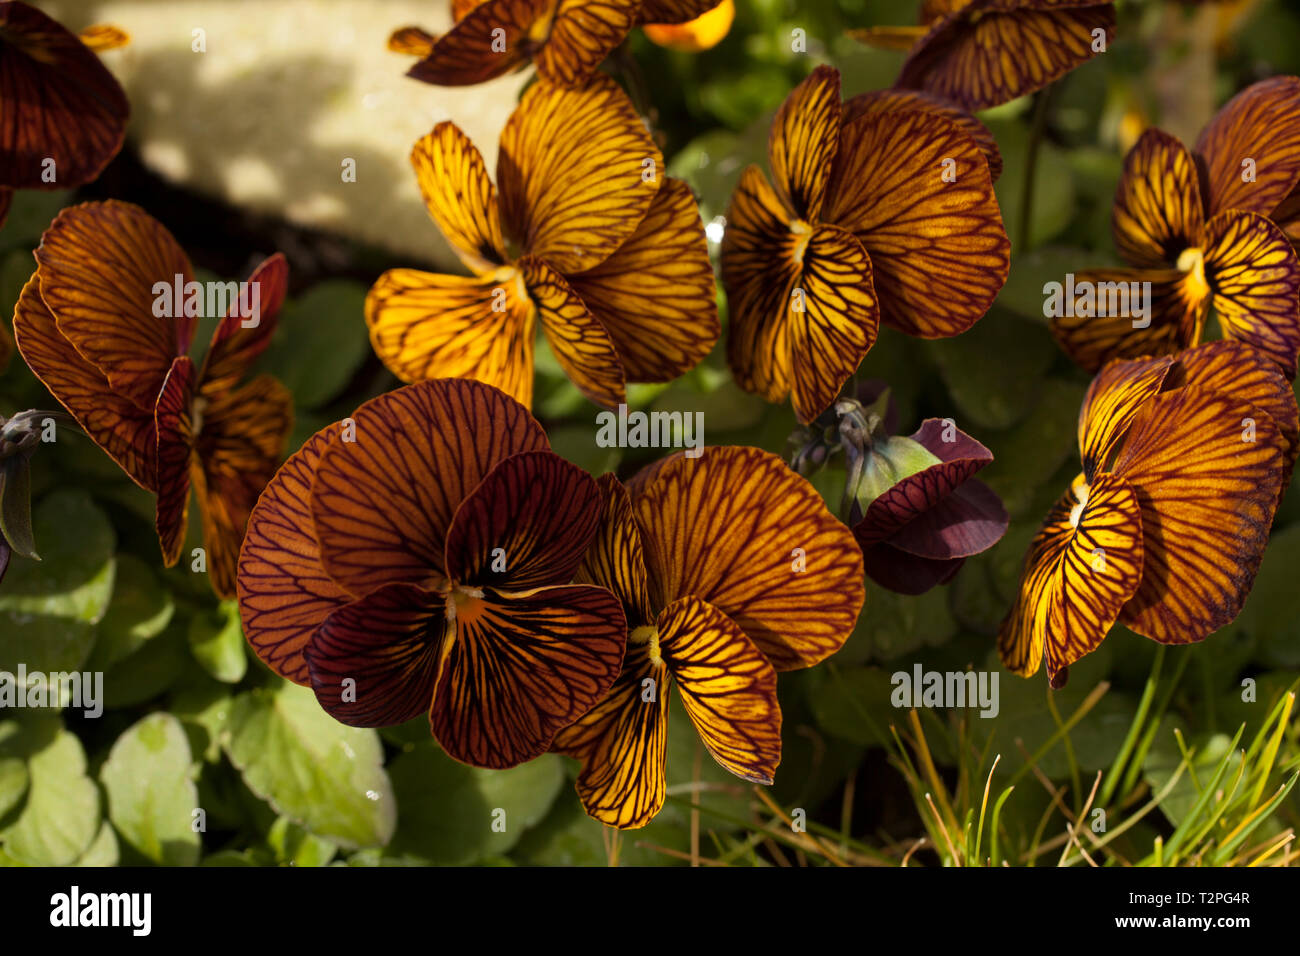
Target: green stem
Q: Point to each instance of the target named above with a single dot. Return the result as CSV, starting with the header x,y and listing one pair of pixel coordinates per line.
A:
x,y
1031,164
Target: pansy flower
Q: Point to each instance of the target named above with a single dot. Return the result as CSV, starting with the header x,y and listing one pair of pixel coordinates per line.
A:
x,y
702,33
883,211
567,39
1195,225
729,569
64,114
416,558
982,53
1184,462
89,324
586,237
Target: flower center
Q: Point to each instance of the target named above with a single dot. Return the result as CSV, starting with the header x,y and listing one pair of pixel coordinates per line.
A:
x,y
1081,494
463,603
649,634
803,235
196,415
1192,262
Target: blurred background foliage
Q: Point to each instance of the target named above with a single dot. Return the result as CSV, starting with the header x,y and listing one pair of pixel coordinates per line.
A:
x,y
193,720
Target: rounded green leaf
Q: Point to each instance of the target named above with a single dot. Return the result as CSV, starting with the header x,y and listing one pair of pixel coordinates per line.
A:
x,y
151,797
217,642
60,819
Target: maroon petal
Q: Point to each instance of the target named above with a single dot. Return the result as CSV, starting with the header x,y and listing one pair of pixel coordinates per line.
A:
x,y
905,573
970,520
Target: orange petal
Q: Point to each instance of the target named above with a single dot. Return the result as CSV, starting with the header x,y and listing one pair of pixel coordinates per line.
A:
x,y
459,196
674,11
235,345
938,249
425,326
1255,275
284,593
1022,638
805,136
582,34
1208,498
655,295
727,686
834,317
1158,210
239,446
575,207
382,503
175,430
734,527
582,346
61,104
759,272
1261,124
894,100
412,41
991,52
525,526
124,430
104,36
460,9
490,41
1114,398
616,558
521,668
99,263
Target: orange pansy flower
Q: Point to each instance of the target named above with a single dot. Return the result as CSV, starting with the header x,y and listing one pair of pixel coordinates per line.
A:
x,y
883,211
89,326
594,243
729,568
1195,225
1184,462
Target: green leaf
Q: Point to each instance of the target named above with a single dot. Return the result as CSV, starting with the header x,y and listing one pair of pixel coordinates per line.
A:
x,y
568,837
141,609
204,712
60,819
1164,757
1023,294
294,846
994,371
1272,612
151,796
217,641
854,705
148,672
103,851
13,784
16,506
452,814
324,775
1028,455
320,342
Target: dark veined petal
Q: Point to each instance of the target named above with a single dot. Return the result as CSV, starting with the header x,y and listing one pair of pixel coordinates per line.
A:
x,y
992,51
1095,574
425,326
412,41
656,295
759,272
234,346
460,196
99,263
1287,217
582,346
284,593
175,431
124,430
737,528
623,745
525,526
727,687
1179,302
575,206
60,104
1255,275
491,40
241,442
1260,124
582,34
938,249
615,558
834,317
374,662
460,9
522,667
1114,398
1158,211
674,11
804,138
894,100
968,521
1208,487
382,502
1022,636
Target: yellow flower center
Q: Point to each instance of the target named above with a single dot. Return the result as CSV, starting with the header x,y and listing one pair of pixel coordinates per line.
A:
x,y
803,235
1192,261
196,415
463,603
1081,499
648,634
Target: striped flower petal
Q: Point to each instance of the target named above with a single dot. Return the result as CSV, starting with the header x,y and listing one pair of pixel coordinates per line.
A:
x,y
382,503
802,144
99,263
1260,124
674,11
582,34
895,100
460,196
1022,638
615,559
521,668
175,431
966,522
234,346
575,206
1114,399
284,593
374,662
1158,210
124,430
727,687
938,249
1208,490
655,295
425,326
737,528
489,41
